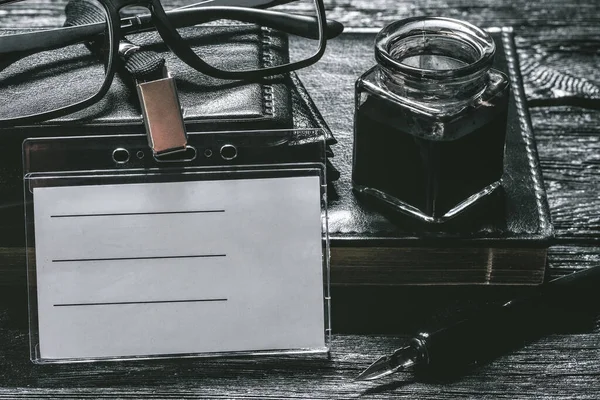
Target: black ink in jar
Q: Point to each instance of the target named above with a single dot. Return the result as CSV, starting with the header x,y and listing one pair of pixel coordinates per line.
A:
x,y
430,119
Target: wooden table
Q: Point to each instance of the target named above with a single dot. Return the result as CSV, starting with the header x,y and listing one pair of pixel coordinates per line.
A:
x,y
559,51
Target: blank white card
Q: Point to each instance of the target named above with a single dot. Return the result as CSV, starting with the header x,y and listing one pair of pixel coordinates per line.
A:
x,y
179,267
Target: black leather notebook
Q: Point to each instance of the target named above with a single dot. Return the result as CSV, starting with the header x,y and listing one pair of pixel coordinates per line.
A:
x,y
503,241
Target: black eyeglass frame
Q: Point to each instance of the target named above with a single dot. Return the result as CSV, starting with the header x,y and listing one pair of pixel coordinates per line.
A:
x,y
176,44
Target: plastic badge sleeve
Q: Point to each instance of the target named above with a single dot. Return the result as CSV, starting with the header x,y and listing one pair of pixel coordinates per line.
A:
x,y
221,250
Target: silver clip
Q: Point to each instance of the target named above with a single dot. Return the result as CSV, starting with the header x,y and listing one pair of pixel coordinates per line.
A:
x,y
162,115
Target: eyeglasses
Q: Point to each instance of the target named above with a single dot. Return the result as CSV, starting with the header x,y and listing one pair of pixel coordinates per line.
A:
x,y
49,73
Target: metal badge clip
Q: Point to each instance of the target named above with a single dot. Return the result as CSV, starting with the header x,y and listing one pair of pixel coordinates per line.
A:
x,y
162,115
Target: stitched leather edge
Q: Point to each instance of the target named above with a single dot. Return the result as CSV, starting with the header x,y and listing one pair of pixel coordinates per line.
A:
x,y
311,108
266,59
526,129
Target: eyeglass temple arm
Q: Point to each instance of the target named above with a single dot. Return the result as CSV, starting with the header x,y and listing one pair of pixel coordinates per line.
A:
x,y
237,3
299,25
23,44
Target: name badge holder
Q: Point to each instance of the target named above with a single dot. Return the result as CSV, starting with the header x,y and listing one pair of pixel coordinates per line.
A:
x,y
219,250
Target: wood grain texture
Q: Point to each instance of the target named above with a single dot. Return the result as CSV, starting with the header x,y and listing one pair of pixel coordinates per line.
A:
x,y
569,149
560,63
558,45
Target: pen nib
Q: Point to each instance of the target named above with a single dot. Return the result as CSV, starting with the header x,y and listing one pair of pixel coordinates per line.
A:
x,y
403,358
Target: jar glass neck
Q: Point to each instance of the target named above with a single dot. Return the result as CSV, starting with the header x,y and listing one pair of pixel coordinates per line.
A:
x,y
425,89
434,58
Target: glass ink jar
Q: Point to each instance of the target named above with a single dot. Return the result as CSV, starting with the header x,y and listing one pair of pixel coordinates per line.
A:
x,y
430,119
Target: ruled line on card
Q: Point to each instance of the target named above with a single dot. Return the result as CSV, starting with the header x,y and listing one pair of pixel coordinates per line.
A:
x,y
136,213
64,260
138,302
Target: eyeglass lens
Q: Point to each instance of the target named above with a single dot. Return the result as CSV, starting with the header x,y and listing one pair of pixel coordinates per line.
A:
x,y
51,79
232,45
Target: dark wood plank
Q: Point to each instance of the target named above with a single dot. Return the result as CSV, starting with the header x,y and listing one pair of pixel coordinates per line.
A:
x,y
563,260
518,13
560,63
377,13
569,148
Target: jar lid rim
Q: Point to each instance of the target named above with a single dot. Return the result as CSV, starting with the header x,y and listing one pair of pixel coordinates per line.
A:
x,y
473,35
